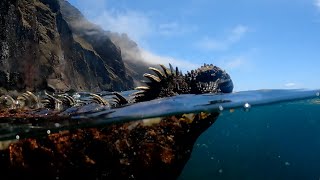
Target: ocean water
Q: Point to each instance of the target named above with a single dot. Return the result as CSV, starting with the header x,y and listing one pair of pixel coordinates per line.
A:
x,y
260,134
280,140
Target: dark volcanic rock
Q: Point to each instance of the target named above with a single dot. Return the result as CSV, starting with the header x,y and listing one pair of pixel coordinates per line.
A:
x,y
38,49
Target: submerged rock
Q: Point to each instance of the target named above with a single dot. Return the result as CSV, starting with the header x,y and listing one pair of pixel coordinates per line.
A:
x,y
146,149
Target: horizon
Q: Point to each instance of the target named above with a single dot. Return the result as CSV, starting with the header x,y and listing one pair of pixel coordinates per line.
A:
x,y
262,45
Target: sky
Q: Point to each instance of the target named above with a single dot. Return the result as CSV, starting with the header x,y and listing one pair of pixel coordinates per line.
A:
x,y
262,44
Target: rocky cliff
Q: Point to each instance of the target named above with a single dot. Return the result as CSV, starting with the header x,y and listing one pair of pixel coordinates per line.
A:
x,y
42,47
130,51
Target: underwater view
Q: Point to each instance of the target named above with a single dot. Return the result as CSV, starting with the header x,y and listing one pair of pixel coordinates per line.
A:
x,y
275,141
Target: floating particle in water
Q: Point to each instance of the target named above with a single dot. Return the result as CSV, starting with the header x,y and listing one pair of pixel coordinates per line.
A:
x,y
220,108
57,125
220,171
287,163
231,110
204,145
17,137
212,158
268,126
48,131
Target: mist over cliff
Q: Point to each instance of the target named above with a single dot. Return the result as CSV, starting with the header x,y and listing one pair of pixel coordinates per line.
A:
x,y
49,44
135,64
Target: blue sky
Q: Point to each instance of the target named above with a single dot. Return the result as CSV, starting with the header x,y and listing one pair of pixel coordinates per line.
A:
x,y
265,44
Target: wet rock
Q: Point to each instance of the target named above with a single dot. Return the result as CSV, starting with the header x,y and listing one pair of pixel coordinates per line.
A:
x,y
147,149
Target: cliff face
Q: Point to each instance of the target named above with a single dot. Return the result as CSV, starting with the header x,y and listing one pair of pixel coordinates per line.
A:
x,y
133,62
40,49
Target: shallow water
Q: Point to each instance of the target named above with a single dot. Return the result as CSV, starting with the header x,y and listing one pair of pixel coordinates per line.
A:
x,y
262,134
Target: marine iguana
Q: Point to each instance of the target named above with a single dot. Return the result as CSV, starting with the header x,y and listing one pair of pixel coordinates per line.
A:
x,y
155,148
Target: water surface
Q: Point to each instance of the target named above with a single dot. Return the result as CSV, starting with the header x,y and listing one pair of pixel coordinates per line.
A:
x,y
261,134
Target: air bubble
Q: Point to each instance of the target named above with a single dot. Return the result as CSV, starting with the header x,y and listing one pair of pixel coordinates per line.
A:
x,y
17,137
247,106
48,131
318,94
57,125
220,108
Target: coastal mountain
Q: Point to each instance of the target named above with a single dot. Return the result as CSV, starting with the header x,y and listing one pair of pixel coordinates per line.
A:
x,y
48,44
134,63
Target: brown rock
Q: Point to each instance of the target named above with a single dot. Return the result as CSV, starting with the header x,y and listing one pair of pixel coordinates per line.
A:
x,y
134,150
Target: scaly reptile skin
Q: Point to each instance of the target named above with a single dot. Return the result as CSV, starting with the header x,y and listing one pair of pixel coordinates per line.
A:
x,y
171,82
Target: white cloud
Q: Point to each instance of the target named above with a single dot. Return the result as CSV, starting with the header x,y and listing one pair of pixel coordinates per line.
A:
x,y
135,24
290,85
175,29
245,61
317,3
92,8
235,63
139,27
169,28
211,44
234,36
182,64
237,33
